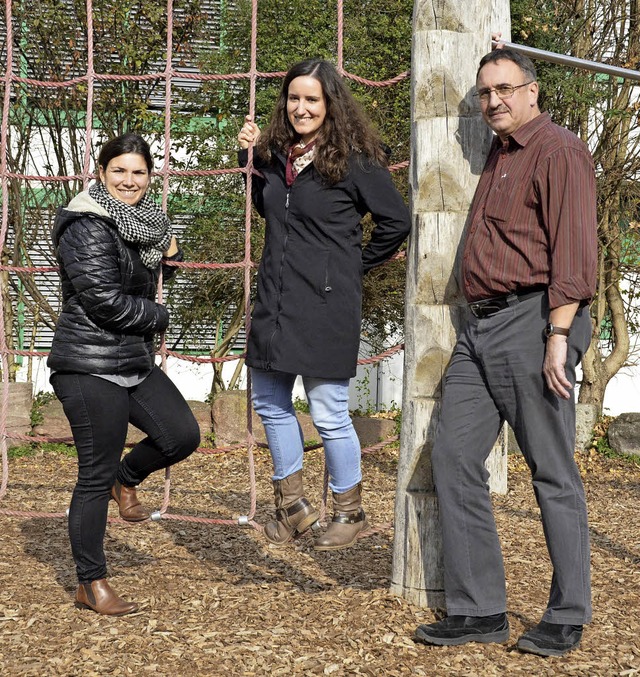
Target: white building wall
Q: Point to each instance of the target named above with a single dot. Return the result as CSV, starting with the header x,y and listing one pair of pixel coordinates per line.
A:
x,y
623,392
376,387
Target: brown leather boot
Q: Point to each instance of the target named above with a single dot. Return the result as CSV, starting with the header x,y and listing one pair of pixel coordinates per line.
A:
x,y
130,508
348,521
99,596
294,514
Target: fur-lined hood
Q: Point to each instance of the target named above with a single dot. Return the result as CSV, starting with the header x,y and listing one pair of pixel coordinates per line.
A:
x,y
81,205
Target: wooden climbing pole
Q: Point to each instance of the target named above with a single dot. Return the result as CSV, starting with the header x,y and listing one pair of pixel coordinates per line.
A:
x,y
449,146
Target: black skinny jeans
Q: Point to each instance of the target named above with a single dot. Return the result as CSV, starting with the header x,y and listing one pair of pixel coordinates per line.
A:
x,y
99,412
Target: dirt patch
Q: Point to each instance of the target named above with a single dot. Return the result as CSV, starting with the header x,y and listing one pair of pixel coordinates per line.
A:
x,y
215,600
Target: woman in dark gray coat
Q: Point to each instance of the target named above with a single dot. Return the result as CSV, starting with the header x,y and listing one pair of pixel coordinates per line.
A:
x,y
322,169
110,242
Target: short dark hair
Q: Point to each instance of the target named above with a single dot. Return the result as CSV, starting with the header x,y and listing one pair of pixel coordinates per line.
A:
x,y
126,143
524,63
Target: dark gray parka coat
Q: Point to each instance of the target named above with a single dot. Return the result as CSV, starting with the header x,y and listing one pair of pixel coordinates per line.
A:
x,y
109,315
307,314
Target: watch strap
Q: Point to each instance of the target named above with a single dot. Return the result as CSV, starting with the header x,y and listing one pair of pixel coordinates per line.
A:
x,y
552,329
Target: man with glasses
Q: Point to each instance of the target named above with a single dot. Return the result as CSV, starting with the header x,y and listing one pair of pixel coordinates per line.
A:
x,y
528,273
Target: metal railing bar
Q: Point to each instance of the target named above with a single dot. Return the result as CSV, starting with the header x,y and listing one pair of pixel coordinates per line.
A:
x,y
573,61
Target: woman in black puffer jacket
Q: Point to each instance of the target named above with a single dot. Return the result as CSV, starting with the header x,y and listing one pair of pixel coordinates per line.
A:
x,y
110,242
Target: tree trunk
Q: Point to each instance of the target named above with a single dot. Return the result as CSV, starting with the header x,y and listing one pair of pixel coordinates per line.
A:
x,y
449,146
7,319
617,155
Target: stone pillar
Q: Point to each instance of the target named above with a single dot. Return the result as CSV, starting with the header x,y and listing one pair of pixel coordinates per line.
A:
x,y
449,146
18,414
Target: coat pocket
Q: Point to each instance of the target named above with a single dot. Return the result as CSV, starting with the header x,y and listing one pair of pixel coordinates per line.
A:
x,y
325,287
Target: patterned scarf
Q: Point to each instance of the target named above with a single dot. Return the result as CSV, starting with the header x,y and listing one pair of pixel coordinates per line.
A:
x,y
297,159
144,224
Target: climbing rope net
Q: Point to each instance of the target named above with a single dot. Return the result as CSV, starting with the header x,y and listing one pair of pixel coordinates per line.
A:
x,y
89,79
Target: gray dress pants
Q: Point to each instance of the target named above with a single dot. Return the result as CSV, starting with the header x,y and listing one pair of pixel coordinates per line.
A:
x,y
495,375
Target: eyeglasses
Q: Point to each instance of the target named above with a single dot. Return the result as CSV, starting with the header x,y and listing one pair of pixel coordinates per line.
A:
x,y
502,91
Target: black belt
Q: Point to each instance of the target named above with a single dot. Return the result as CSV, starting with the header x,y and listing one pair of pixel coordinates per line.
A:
x,y
488,307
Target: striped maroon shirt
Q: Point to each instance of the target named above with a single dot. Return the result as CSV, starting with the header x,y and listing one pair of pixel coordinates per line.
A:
x,y
533,217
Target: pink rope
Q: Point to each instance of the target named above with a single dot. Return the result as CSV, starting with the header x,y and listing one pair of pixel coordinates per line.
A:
x,y
171,172
202,77
196,359
167,75
340,38
163,173
30,269
167,107
165,200
379,83
4,132
207,451
383,355
90,91
247,250
31,513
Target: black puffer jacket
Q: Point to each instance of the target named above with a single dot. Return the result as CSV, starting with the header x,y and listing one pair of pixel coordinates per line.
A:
x,y
306,318
109,315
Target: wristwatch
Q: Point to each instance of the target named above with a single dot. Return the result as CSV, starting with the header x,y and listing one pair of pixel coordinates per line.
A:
x,y
551,329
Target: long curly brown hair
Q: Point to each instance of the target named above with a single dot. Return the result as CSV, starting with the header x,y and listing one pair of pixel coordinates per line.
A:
x,y
346,127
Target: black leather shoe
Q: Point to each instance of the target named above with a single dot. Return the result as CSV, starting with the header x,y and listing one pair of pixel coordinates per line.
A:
x,y
462,629
550,639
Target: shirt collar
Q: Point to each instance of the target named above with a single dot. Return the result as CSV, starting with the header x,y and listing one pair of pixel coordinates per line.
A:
x,y
524,134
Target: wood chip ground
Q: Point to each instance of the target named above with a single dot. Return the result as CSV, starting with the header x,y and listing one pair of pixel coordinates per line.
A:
x,y
217,601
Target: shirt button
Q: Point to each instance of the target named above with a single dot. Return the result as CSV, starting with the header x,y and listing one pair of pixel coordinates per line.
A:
x,y
327,288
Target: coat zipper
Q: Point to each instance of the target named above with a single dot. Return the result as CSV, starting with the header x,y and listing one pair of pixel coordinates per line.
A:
x,y
280,273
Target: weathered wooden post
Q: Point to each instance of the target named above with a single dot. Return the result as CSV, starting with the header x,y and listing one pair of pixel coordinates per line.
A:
x,y
449,146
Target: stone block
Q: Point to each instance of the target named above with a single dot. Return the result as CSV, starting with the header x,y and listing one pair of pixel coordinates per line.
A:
x,y
55,424
624,433
202,412
370,431
18,411
229,420
229,416
586,419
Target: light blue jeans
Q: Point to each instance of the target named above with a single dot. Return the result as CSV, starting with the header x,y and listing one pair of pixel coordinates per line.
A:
x,y
328,403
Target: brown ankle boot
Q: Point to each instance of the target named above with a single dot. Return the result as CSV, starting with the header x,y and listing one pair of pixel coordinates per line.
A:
x,y
348,521
99,596
130,508
294,514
